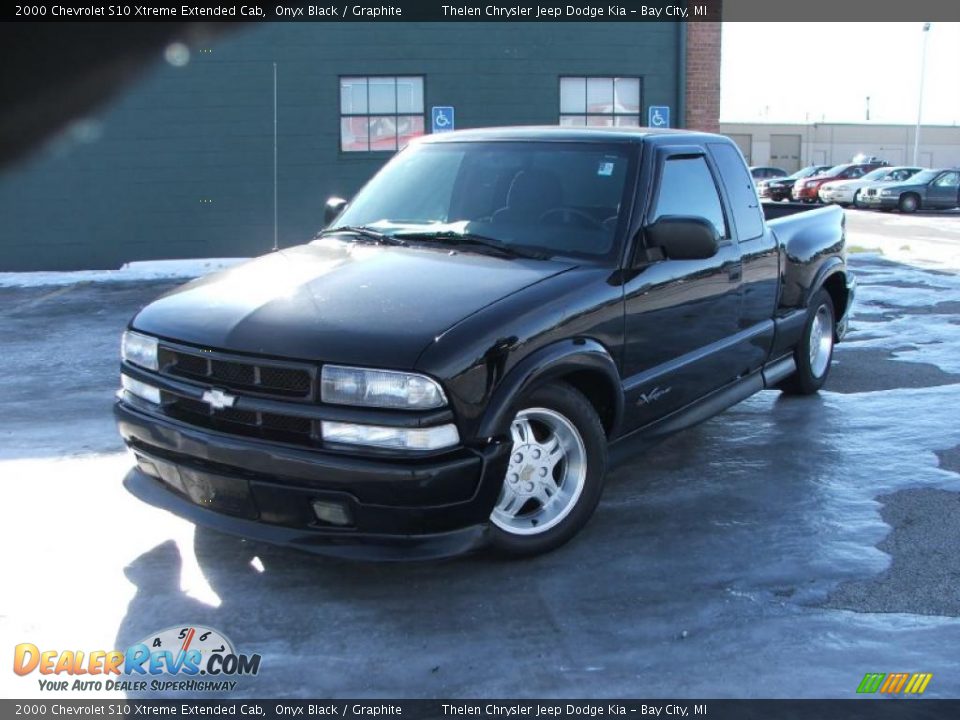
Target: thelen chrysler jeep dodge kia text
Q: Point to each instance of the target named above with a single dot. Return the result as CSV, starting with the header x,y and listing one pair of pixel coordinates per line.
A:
x,y
449,362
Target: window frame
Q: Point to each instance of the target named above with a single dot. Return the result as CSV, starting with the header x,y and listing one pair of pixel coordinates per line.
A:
x,y
726,196
667,154
586,115
396,115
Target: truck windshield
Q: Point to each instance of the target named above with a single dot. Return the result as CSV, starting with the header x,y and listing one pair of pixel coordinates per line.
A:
x,y
551,198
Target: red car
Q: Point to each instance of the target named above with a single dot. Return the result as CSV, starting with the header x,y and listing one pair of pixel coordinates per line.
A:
x,y
808,189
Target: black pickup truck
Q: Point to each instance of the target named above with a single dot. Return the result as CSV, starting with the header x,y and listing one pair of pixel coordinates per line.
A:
x,y
455,359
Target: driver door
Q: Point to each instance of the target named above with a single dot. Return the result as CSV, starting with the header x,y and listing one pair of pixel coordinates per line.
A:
x,y
943,192
679,313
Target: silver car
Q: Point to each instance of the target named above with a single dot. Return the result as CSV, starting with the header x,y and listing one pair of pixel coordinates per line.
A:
x,y
847,192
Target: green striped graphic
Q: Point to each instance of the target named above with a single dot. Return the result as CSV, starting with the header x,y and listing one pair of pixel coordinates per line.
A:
x,y
871,682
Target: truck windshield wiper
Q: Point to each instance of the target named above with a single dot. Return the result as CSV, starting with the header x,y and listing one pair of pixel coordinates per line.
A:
x,y
451,237
363,232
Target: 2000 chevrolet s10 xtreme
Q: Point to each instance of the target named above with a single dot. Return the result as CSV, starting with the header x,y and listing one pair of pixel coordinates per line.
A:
x,y
452,360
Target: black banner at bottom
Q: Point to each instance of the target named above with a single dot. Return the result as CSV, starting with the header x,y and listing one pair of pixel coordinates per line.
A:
x,y
867,708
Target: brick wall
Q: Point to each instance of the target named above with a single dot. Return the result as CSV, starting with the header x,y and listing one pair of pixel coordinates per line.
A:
x,y
703,76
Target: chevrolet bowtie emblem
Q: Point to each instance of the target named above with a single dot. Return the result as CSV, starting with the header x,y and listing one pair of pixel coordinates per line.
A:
x,y
218,399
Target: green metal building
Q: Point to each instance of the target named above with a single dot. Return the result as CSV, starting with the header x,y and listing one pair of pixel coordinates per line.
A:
x,y
182,165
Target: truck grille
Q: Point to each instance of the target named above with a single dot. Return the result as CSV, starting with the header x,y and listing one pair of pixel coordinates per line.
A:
x,y
871,192
250,376
290,382
270,426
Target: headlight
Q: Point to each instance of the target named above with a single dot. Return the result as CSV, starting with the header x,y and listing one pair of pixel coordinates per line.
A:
x,y
428,438
886,192
139,350
341,385
140,389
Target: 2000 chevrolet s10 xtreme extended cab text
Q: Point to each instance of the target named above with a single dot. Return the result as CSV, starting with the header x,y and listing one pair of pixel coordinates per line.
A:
x,y
450,362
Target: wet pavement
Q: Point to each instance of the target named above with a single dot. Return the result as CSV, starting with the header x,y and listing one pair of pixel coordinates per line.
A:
x,y
782,549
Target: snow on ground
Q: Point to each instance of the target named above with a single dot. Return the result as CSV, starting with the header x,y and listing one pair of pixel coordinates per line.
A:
x,y
928,241
130,272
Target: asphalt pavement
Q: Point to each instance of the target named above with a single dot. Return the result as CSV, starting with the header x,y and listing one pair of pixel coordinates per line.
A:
x,y
781,549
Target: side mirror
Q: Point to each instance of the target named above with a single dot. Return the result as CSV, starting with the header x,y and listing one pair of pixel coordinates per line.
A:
x,y
334,207
683,237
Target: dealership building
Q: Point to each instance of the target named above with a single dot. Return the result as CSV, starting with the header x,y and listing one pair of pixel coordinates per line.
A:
x,y
182,164
792,146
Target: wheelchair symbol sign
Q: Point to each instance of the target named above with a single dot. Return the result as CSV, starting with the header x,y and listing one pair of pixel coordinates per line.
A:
x,y
658,116
442,119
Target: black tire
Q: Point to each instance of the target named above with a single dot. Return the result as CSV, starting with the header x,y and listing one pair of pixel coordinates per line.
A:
x,y
571,404
909,203
806,381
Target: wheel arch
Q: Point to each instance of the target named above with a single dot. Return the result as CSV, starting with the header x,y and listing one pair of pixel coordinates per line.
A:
x,y
915,194
583,363
836,286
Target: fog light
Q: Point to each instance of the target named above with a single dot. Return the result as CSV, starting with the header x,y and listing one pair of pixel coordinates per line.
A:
x,y
436,437
140,389
333,513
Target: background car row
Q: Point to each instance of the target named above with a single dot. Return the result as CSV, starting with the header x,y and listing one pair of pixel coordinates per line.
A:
x,y
868,183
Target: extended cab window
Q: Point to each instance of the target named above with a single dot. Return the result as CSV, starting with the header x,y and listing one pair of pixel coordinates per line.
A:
x,y
687,188
747,215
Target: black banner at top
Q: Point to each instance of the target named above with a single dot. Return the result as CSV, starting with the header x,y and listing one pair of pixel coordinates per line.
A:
x,y
483,11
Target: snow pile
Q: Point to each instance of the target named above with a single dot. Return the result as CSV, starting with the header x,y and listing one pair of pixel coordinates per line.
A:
x,y
130,272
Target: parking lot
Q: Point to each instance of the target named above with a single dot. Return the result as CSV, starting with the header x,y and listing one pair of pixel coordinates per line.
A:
x,y
782,549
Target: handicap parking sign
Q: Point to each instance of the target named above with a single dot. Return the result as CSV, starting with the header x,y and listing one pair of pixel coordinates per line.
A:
x,y
658,116
442,119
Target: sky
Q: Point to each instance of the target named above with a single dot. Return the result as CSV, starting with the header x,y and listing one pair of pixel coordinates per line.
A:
x,y
823,72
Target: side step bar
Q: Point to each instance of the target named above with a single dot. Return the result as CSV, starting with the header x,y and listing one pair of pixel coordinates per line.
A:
x,y
778,370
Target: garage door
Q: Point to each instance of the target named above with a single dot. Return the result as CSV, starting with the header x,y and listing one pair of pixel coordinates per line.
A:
x,y
785,152
745,143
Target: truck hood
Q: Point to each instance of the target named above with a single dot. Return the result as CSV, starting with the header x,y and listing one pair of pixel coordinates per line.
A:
x,y
339,301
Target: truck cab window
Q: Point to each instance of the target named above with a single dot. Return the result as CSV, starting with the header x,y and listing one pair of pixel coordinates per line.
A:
x,y
687,188
747,214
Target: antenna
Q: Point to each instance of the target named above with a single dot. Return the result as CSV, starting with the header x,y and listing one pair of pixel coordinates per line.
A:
x,y
275,225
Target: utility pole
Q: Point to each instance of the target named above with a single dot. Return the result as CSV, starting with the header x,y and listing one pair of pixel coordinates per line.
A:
x,y
923,72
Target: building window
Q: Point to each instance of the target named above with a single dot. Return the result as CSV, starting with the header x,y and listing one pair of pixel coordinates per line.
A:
x,y
602,101
380,113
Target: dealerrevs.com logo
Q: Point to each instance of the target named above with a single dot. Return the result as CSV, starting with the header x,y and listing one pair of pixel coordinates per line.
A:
x,y
183,658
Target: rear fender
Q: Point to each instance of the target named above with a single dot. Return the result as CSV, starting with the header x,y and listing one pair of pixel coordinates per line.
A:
x,y
831,266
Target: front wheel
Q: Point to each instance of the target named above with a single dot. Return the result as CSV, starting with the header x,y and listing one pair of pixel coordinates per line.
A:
x,y
815,350
908,203
556,472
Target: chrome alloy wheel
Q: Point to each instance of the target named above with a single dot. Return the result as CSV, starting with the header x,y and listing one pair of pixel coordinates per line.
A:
x,y
820,341
546,475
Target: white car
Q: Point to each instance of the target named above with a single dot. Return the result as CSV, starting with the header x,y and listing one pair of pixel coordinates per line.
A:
x,y
846,192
